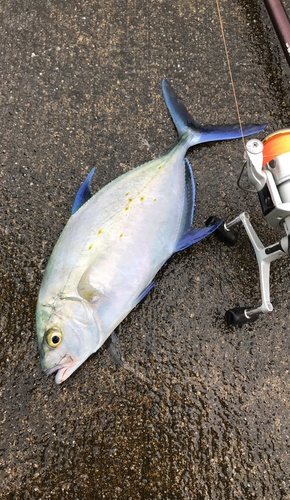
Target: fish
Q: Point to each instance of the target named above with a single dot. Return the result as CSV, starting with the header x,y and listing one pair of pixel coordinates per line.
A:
x,y
114,243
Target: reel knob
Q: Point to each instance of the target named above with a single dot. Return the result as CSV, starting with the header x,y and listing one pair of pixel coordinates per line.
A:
x,y
237,316
222,233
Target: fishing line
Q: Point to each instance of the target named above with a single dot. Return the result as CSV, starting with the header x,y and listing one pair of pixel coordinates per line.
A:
x,y
240,178
236,101
230,71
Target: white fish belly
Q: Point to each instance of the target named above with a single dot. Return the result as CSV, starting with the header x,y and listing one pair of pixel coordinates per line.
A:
x,y
120,238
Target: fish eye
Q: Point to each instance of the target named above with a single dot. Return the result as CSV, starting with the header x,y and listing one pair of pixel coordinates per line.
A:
x,y
53,337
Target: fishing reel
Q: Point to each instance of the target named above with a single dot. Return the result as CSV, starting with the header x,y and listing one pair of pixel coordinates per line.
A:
x,y
268,168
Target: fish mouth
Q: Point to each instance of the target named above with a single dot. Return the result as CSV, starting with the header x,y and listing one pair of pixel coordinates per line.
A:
x,y
64,368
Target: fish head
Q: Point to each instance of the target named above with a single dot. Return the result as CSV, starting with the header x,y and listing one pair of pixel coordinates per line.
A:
x,y
68,334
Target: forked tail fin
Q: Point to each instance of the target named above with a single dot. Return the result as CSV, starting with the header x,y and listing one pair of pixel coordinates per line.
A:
x,y
185,124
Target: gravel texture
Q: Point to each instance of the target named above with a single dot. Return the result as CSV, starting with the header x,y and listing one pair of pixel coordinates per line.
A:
x,y
80,86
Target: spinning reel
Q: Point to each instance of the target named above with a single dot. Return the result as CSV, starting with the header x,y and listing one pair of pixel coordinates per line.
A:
x,y
268,167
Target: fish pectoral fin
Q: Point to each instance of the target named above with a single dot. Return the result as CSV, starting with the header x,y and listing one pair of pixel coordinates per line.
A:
x,y
193,235
88,291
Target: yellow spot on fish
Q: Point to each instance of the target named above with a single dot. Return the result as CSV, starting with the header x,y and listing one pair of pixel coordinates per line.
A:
x,y
100,230
130,199
127,208
126,194
155,199
142,198
160,167
91,246
121,235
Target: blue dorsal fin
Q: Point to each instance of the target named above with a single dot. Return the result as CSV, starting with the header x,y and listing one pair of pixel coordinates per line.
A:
x,y
83,193
193,235
189,197
142,295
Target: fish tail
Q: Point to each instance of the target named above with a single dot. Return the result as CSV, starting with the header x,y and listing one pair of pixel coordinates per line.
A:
x,y
197,133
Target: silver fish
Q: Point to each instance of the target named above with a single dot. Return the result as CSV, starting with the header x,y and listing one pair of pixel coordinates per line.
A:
x,y
114,243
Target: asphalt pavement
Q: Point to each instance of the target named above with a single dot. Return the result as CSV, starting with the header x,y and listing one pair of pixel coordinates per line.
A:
x,y
80,85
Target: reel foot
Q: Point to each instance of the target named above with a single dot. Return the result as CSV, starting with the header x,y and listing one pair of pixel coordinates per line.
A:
x,y
237,316
222,233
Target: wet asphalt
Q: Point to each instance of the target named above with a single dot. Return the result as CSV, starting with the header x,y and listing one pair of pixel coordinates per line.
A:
x,y
81,87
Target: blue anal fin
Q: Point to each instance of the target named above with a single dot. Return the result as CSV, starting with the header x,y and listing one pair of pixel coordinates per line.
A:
x,y
83,193
193,235
147,289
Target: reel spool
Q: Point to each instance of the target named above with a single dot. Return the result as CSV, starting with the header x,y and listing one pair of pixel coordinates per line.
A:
x,y
268,167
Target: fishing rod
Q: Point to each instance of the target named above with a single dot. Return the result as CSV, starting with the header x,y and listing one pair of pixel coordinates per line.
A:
x,y
281,24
